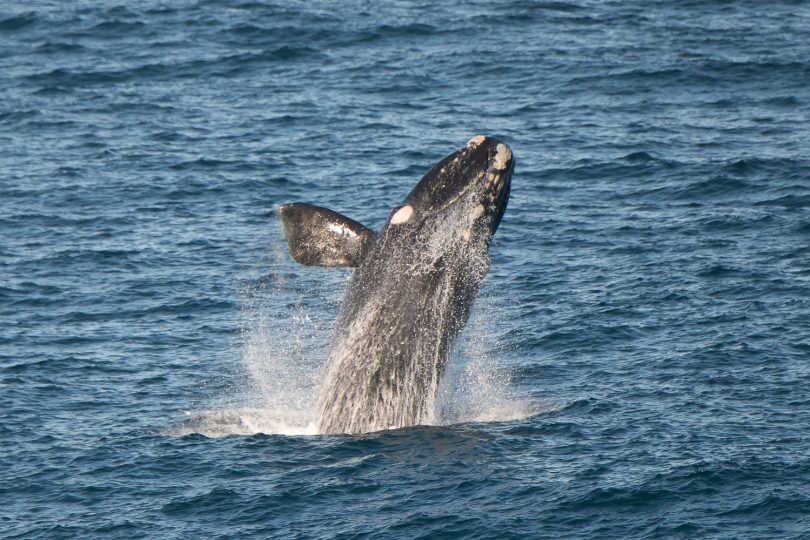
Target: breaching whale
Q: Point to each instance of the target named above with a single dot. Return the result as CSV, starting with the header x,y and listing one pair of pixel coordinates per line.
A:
x,y
413,286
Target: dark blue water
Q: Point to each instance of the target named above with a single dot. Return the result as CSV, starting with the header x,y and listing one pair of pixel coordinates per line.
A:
x,y
638,364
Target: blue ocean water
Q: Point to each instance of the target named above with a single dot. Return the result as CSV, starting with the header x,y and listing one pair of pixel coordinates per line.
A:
x,y
637,365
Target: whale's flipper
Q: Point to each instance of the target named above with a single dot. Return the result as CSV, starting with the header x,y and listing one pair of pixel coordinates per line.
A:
x,y
320,237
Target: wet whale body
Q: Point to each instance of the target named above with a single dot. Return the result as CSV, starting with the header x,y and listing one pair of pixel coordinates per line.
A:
x,y
414,284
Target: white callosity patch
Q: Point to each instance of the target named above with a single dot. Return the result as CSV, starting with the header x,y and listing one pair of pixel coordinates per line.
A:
x,y
475,141
502,157
402,215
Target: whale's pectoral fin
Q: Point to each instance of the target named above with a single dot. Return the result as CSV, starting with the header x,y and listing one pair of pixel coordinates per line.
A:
x,y
320,237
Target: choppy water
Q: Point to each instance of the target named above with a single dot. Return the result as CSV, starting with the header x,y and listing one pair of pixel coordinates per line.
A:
x,y
637,365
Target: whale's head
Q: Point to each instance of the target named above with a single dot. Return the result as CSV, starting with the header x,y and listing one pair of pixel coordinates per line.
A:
x,y
450,216
466,191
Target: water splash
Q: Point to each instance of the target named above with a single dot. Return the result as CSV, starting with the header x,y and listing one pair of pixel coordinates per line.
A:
x,y
245,421
478,385
287,328
286,322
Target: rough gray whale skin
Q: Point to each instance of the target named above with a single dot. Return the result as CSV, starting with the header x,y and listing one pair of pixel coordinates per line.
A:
x,y
414,284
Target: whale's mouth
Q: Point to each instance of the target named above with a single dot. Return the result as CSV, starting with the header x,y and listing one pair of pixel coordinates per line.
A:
x,y
480,172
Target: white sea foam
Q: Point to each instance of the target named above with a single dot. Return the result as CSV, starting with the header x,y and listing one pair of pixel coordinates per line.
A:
x,y
245,421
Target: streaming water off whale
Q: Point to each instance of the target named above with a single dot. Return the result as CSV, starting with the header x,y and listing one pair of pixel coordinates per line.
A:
x,y
283,369
649,286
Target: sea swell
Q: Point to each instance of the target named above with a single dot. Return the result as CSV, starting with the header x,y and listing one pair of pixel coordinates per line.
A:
x,y
635,366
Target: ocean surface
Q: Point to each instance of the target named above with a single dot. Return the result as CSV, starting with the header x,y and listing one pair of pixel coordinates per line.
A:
x,y
637,364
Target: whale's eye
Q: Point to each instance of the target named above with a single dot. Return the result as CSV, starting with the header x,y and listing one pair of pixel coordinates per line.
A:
x,y
402,215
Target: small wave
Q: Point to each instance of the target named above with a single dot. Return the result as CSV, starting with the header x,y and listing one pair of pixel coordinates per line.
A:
x,y
792,202
720,271
803,228
637,164
756,166
204,163
287,52
117,29
58,47
783,101
16,116
719,186
53,91
19,22
226,66
639,157
407,30
247,29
